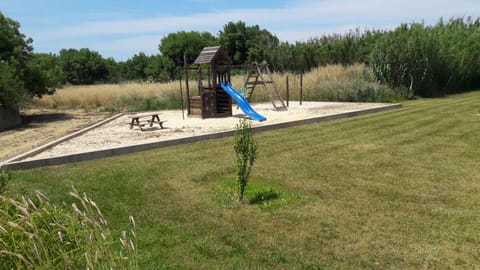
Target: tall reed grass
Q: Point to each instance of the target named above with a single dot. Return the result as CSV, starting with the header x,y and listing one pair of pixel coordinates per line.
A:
x,y
354,83
329,83
35,234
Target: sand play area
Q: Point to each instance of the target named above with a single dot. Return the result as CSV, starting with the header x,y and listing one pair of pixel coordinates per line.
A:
x,y
116,133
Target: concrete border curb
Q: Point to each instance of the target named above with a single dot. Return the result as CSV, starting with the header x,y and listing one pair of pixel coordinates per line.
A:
x,y
16,163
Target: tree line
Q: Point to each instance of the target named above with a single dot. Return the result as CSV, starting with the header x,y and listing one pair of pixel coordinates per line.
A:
x,y
84,66
426,60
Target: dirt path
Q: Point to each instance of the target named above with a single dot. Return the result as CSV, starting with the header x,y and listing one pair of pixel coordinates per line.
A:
x,y
42,126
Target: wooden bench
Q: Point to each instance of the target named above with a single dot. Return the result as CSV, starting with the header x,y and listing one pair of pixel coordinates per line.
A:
x,y
154,119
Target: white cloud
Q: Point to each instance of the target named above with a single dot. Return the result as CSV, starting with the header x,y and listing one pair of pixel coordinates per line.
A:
x,y
305,13
125,46
299,21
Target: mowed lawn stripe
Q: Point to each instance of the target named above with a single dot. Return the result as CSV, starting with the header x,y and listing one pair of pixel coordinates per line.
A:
x,y
398,189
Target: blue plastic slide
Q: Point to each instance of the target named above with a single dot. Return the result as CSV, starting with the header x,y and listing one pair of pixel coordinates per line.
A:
x,y
242,102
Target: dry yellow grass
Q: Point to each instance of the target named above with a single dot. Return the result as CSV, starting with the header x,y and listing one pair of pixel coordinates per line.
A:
x,y
119,95
107,95
325,83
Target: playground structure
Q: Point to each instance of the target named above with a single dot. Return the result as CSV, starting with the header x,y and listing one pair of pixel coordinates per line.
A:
x,y
255,76
112,136
215,92
212,100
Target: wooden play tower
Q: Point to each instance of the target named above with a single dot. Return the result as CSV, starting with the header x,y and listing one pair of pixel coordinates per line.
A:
x,y
212,100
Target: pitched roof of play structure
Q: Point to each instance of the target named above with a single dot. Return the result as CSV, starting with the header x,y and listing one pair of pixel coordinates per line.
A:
x,y
215,55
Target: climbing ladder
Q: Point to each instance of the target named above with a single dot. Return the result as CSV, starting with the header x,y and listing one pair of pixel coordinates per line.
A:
x,y
255,76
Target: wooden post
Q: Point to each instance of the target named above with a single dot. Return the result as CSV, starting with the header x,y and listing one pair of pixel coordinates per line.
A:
x,y
301,88
209,76
199,80
229,74
288,92
181,98
187,87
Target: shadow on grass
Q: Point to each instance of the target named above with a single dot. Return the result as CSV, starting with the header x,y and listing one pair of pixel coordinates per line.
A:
x,y
45,118
258,193
264,196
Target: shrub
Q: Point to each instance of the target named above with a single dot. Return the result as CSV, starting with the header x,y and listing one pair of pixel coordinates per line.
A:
x,y
38,235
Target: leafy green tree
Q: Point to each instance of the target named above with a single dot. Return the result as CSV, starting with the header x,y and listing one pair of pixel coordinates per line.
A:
x,y
283,57
247,43
20,78
160,68
83,66
12,92
135,67
259,43
114,71
155,68
175,45
51,67
234,40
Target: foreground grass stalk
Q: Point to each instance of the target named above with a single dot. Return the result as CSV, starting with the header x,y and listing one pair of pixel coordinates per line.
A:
x,y
38,235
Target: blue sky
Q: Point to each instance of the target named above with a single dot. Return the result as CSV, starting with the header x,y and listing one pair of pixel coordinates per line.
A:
x,y
122,28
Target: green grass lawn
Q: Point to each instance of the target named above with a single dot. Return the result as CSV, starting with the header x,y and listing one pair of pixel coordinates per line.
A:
x,y
398,189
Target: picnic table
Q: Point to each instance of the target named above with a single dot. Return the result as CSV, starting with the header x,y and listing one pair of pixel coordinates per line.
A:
x,y
136,120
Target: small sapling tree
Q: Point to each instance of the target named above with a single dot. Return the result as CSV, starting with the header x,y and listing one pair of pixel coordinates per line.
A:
x,y
246,153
